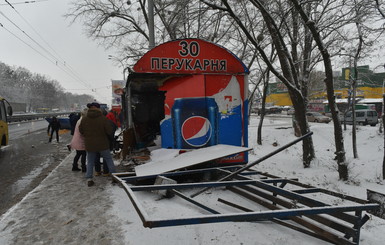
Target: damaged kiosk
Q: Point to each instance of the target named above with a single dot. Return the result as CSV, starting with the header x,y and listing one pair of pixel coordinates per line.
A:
x,y
192,93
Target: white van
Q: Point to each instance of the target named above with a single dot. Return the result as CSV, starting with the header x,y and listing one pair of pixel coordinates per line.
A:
x,y
363,117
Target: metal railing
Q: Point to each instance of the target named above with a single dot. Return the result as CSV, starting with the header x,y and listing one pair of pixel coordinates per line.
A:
x,y
34,116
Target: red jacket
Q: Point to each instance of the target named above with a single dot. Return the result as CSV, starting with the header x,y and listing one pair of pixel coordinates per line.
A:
x,y
111,116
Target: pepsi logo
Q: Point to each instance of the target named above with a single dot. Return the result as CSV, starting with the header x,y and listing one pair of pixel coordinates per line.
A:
x,y
196,131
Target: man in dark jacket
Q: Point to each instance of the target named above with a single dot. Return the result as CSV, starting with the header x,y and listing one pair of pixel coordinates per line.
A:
x,y
74,117
54,125
97,131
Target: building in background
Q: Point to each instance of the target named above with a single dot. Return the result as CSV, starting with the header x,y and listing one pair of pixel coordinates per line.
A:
x,y
370,87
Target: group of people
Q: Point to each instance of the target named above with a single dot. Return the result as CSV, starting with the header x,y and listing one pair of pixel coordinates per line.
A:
x,y
93,135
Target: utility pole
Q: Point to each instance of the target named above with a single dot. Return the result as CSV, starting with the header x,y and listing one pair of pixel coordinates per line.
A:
x,y
151,24
383,118
382,111
354,129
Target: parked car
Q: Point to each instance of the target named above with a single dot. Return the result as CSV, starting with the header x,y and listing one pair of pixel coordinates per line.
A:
x,y
291,111
286,108
363,117
273,110
317,117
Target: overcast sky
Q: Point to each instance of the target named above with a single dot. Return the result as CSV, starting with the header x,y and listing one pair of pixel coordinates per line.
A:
x,y
83,67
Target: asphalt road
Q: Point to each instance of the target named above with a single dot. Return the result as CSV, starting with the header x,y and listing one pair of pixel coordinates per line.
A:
x,y
27,160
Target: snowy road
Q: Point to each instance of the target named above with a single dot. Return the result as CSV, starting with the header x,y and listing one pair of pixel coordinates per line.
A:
x,y
16,130
27,160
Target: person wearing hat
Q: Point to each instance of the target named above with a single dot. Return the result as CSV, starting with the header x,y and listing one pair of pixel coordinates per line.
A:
x,y
96,130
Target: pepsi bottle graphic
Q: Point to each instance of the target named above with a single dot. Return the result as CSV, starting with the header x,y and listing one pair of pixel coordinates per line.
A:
x,y
195,122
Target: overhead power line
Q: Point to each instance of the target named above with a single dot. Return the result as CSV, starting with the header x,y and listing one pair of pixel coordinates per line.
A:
x,y
34,30
24,2
52,61
57,59
26,43
33,40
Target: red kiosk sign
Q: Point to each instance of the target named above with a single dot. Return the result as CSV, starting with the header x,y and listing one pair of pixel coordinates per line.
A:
x,y
189,56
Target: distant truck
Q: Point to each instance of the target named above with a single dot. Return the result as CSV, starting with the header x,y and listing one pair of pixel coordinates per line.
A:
x,y
18,107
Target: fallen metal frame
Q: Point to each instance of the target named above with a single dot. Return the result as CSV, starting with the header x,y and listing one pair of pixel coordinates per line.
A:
x,y
331,223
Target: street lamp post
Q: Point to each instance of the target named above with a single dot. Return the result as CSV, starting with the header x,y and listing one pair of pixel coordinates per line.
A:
x,y
128,91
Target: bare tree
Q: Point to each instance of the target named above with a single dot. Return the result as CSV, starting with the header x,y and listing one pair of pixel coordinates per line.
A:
x,y
20,85
338,136
288,72
380,8
112,23
358,45
123,25
379,5
265,80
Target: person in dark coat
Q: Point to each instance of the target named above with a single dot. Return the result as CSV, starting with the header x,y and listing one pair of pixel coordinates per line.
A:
x,y
54,125
74,117
112,119
97,131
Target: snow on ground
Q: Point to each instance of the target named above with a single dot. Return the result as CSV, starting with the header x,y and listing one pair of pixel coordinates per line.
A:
x,y
63,210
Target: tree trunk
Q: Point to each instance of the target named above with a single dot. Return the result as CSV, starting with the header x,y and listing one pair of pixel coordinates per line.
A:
x,y
300,116
251,101
263,111
338,136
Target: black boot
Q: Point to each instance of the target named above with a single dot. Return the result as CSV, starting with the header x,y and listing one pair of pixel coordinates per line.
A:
x,y
75,168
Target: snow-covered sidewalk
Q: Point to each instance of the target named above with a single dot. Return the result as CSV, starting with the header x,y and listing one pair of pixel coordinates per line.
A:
x,y
63,210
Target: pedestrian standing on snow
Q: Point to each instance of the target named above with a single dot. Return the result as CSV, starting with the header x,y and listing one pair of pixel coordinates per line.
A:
x,y
96,130
98,165
112,120
54,125
77,143
73,117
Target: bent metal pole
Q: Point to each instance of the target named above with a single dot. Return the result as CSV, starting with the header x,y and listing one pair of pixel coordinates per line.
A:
x,y
256,162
